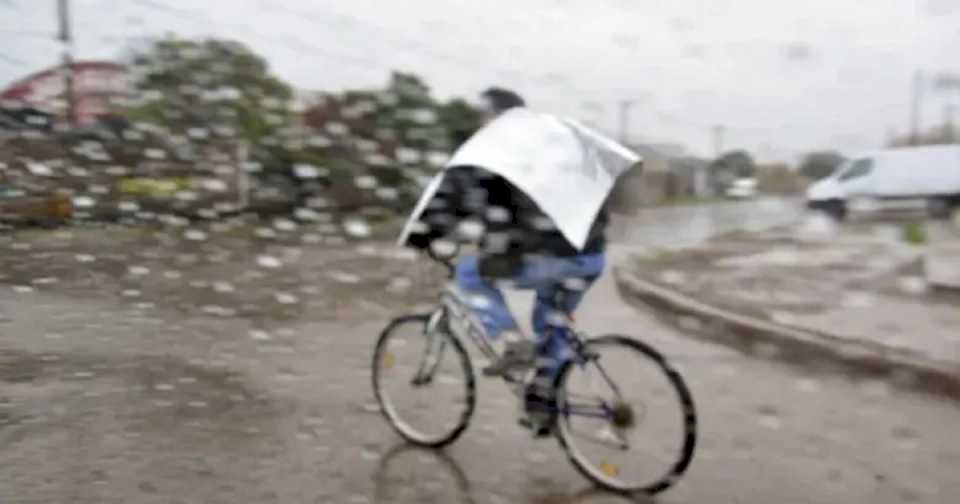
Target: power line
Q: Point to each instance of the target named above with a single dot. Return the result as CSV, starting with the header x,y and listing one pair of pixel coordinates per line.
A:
x,y
11,60
625,121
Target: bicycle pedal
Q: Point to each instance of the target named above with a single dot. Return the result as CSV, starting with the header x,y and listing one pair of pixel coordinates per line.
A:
x,y
539,431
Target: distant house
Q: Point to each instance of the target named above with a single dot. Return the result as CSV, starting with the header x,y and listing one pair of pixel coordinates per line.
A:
x,y
18,118
96,85
692,176
666,174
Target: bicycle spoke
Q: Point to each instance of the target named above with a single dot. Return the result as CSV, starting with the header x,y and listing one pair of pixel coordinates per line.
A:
x,y
606,377
606,435
434,407
604,420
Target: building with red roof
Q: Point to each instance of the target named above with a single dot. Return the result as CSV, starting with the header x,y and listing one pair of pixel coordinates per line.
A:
x,y
96,85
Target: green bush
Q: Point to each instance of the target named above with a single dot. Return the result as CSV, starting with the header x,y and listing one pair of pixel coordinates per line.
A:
x,y
914,233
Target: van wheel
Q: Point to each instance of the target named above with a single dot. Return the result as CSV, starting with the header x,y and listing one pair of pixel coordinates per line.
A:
x,y
939,208
836,209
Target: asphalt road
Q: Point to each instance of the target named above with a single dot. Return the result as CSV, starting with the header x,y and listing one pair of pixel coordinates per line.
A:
x,y
104,400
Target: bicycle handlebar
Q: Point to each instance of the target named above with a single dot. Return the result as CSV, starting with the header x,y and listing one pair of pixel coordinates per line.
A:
x,y
445,259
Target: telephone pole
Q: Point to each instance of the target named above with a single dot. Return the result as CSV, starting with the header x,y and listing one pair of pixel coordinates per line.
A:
x,y
948,127
625,121
915,108
718,131
65,36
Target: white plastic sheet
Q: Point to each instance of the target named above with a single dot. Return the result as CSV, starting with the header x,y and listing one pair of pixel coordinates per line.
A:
x,y
567,168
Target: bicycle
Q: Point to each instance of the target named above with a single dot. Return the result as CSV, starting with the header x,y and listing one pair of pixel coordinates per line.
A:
x,y
452,323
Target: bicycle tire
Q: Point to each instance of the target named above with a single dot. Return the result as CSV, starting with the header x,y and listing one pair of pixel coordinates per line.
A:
x,y
393,419
680,466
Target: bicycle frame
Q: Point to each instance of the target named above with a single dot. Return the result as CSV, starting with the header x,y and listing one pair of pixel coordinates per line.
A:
x,y
455,315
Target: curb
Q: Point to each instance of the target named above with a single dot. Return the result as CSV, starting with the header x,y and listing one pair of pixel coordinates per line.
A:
x,y
819,350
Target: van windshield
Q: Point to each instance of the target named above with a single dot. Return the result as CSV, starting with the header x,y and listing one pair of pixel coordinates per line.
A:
x,y
856,169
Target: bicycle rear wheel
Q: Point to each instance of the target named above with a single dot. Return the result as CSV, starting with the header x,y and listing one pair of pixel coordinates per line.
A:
x,y
423,381
625,418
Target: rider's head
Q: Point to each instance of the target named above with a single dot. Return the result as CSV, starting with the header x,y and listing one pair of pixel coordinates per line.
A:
x,y
496,101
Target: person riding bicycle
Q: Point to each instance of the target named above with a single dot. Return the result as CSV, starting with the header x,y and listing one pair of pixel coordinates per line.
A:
x,y
520,245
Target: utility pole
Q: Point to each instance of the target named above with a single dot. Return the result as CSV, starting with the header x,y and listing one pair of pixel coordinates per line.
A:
x,y
948,127
915,108
242,178
66,38
625,121
718,131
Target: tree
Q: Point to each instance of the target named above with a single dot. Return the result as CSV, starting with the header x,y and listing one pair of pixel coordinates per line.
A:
x,y
820,164
460,120
207,90
940,135
778,178
731,166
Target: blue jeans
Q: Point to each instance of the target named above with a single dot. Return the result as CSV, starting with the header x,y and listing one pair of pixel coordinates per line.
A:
x,y
560,284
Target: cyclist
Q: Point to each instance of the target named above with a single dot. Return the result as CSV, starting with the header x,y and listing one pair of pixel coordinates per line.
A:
x,y
518,245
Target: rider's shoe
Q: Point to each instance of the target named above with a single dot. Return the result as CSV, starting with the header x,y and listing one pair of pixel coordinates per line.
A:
x,y
538,409
539,431
517,354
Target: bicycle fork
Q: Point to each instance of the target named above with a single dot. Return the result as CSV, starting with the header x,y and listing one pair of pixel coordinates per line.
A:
x,y
433,352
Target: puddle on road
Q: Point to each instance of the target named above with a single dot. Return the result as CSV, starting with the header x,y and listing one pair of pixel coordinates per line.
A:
x,y
143,394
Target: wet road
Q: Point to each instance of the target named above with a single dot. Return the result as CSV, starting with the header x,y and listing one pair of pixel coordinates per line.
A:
x,y
690,225
110,401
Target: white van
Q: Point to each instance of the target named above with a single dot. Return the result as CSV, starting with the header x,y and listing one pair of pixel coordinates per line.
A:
x,y
743,188
929,174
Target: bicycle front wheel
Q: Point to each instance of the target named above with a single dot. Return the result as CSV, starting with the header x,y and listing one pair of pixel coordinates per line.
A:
x,y
423,381
625,417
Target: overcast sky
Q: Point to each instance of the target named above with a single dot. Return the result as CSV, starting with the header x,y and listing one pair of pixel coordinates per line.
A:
x,y
783,76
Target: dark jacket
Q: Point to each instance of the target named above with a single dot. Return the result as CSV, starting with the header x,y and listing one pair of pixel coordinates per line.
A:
x,y
514,226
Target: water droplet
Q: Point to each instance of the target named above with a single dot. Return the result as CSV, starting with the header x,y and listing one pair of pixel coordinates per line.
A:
x,y
163,387
387,193
185,195
197,404
259,335
128,206
356,228
138,270
265,232
223,287
265,261
443,248
808,385
366,182
673,277
497,214
214,185
305,214
913,285
399,284
769,418
285,225
307,171
39,169
83,202
195,235
471,230
285,298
